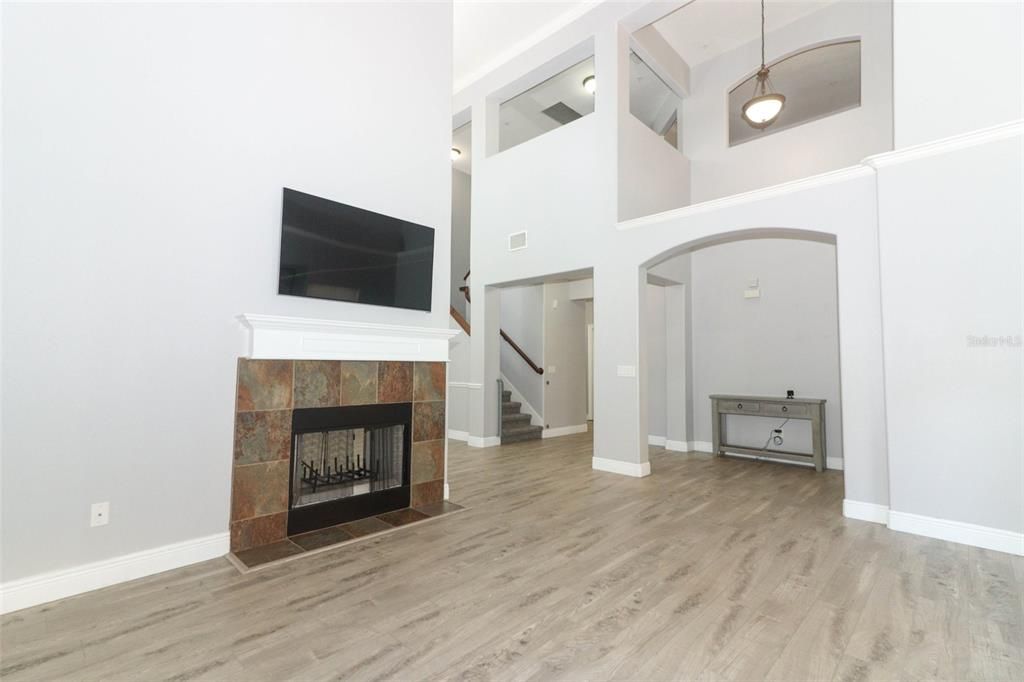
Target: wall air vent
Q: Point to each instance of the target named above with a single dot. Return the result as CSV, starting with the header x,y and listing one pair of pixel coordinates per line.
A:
x,y
562,113
517,241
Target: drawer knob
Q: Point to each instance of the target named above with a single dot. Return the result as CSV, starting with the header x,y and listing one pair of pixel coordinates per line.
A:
x,y
739,406
785,409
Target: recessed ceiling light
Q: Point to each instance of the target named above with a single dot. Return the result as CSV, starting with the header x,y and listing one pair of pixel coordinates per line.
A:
x,y
456,153
589,84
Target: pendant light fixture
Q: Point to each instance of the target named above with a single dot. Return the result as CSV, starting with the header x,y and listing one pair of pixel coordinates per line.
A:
x,y
763,108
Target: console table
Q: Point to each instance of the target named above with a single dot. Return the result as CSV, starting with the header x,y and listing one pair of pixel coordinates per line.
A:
x,y
812,409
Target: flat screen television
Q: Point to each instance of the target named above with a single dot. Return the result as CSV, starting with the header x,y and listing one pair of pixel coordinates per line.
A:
x,y
343,253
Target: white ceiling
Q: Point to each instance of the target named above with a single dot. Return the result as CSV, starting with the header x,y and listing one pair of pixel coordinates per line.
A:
x,y
707,28
490,32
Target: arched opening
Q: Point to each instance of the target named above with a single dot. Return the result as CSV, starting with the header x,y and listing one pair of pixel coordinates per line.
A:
x,y
750,314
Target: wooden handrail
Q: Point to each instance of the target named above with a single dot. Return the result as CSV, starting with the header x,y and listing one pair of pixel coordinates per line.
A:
x,y
460,319
462,322
522,353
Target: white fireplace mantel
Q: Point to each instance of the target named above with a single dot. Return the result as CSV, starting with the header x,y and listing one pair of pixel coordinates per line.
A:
x,y
273,337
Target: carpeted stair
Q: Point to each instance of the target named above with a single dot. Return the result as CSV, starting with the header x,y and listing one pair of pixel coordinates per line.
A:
x,y
516,426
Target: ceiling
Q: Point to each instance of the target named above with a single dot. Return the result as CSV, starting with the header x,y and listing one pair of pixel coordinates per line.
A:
x,y
707,28
490,32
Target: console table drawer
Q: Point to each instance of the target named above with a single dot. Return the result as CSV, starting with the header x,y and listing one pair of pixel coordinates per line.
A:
x,y
776,410
740,407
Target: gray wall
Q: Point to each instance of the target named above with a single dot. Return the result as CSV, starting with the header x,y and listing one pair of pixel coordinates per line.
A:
x,y
952,276
787,338
565,358
522,318
144,158
461,191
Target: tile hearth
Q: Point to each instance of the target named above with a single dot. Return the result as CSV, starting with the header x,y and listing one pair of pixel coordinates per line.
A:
x,y
342,534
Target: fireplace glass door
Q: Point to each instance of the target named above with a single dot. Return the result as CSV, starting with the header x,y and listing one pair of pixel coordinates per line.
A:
x,y
338,463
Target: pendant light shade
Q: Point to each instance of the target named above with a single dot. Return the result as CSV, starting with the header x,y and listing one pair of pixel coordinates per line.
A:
x,y
761,110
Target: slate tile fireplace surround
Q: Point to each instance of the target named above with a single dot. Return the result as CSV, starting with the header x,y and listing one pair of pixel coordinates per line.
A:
x,y
369,433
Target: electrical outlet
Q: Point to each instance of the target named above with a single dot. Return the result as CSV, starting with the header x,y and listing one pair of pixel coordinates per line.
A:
x,y
99,514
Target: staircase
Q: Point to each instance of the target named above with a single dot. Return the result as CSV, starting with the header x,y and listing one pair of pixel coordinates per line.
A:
x,y
516,426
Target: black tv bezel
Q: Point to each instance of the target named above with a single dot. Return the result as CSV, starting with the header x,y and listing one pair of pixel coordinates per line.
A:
x,y
433,253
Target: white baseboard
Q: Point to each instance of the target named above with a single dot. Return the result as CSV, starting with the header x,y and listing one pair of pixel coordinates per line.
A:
x,y
835,463
563,431
483,442
658,441
701,446
958,531
615,466
677,445
46,587
866,511
458,435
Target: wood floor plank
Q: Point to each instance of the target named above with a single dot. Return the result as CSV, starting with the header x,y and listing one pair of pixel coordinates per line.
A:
x,y
710,569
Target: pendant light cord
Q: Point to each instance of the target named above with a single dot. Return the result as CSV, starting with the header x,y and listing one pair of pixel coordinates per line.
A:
x,y
762,34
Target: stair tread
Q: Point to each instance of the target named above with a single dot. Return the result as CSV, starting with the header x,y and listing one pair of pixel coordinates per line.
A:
x,y
515,430
519,417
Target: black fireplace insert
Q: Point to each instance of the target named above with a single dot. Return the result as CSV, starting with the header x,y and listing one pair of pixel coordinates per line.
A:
x,y
348,463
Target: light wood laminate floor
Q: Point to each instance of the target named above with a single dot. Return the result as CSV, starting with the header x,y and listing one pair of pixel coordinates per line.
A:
x,y
709,569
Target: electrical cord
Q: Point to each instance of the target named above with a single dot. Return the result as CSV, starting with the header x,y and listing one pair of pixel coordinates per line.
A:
x,y
774,437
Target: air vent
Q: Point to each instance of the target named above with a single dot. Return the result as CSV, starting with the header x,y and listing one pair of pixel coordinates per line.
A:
x,y
516,241
562,113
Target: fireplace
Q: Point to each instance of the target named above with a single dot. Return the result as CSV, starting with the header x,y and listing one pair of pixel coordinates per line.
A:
x,y
348,463
320,443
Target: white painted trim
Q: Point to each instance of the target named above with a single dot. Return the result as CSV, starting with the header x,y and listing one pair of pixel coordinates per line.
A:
x,y
658,441
702,446
782,189
299,338
46,587
946,145
563,431
866,511
465,384
458,435
615,466
535,418
483,442
835,463
958,531
447,492
677,445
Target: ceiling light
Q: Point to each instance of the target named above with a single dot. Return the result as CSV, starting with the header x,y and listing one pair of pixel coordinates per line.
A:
x,y
456,153
763,108
589,84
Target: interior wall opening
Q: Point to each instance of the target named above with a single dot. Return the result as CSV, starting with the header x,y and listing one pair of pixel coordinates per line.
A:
x,y
747,317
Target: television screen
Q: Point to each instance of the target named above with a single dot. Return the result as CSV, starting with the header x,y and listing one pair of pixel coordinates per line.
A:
x,y
343,253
